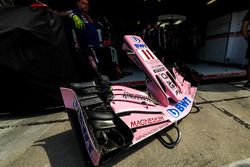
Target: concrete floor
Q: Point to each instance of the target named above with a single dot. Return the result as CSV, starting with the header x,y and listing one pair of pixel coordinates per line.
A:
x,y
218,135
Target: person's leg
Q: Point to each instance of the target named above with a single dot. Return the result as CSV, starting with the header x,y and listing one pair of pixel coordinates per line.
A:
x,y
248,72
248,66
248,75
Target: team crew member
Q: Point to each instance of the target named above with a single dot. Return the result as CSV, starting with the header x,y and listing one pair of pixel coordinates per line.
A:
x,y
86,34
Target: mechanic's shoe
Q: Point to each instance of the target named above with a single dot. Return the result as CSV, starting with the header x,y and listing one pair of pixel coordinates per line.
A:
x,y
247,84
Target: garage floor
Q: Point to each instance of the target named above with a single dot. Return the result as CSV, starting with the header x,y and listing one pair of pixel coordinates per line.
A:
x,y
208,71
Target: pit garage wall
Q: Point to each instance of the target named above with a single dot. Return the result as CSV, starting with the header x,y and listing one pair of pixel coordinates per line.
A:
x,y
224,43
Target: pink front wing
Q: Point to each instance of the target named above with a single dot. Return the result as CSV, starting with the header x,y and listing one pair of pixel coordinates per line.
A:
x,y
144,117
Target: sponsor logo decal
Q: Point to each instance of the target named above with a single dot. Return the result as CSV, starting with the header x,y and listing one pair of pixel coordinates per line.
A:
x,y
75,105
86,138
147,121
138,46
127,95
170,83
153,66
158,69
135,39
179,107
151,131
146,55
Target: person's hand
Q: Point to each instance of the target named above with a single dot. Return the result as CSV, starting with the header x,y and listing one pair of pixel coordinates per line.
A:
x,y
78,22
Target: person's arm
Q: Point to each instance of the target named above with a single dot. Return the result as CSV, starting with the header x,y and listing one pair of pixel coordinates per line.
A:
x,y
79,24
245,24
244,30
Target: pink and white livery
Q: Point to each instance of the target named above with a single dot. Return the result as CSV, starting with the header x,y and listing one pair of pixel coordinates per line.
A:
x,y
109,121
